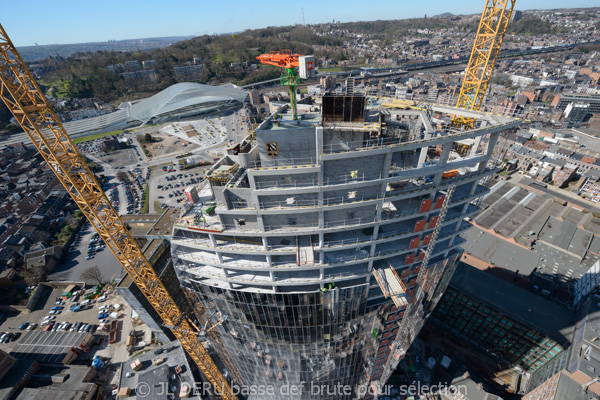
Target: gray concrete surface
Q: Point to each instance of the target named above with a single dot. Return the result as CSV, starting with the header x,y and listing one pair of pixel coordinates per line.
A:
x,y
499,252
75,264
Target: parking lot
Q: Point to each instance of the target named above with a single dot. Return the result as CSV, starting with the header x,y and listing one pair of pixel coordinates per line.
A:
x,y
43,310
116,158
168,188
78,260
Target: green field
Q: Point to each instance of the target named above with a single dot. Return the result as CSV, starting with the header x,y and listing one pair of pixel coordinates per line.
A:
x,y
146,204
331,69
96,136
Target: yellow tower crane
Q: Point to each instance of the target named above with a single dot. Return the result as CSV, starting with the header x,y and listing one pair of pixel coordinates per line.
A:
x,y
25,100
492,27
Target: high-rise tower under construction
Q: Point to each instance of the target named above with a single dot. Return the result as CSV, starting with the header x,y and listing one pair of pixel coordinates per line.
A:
x,y
306,242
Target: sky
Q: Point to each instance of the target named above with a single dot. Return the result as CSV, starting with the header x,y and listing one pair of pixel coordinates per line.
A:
x,y
68,21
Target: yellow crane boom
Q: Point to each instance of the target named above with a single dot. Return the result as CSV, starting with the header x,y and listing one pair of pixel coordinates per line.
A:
x,y
492,27
25,100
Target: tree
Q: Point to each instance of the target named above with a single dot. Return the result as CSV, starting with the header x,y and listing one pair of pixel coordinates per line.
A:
x,y
92,274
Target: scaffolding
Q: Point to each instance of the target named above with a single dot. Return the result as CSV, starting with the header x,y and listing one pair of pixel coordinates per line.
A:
x,y
391,285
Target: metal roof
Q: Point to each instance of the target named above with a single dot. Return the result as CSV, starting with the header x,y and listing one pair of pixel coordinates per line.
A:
x,y
48,347
184,95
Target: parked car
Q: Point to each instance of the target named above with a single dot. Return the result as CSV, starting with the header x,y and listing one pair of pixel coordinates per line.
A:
x,y
32,327
55,312
103,316
24,325
57,308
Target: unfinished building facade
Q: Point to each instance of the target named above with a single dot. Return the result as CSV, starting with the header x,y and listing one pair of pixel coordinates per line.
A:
x,y
281,243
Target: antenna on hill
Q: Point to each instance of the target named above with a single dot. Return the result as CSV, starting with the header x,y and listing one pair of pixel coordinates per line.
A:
x,y
303,23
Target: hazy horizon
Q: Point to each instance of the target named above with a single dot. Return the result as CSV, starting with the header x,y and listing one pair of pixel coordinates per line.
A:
x,y
135,20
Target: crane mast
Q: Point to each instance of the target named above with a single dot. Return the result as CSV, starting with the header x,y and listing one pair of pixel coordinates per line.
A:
x,y
492,27
25,100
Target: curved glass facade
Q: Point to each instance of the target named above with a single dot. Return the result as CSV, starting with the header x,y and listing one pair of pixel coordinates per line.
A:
x,y
306,342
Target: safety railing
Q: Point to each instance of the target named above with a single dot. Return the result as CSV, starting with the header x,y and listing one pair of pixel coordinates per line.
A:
x,y
371,144
303,183
276,163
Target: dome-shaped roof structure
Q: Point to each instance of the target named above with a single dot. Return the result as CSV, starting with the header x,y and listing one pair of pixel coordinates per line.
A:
x,y
186,99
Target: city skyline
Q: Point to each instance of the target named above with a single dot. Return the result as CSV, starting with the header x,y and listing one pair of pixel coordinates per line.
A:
x,y
137,20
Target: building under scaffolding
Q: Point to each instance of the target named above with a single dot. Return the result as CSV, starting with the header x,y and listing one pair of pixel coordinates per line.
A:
x,y
306,245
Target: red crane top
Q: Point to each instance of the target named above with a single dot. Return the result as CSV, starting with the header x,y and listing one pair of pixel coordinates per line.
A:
x,y
281,58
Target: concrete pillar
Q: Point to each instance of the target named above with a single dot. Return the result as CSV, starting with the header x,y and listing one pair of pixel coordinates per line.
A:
x,y
213,241
492,142
251,180
422,156
446,148
265,243
219,256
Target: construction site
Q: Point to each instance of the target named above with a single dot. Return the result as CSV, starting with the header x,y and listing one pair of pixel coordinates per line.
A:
x,y
316,249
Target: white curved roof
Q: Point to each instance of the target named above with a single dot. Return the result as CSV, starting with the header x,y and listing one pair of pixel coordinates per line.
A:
x,y
184,95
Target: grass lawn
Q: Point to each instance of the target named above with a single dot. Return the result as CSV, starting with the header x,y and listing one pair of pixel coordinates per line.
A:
x,y
96,136
331,69
157,208
503,173
146,204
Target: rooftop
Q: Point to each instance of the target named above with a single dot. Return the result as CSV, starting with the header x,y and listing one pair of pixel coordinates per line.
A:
x,y
49,347
140,224
535,311
529,231
164,224
161,379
